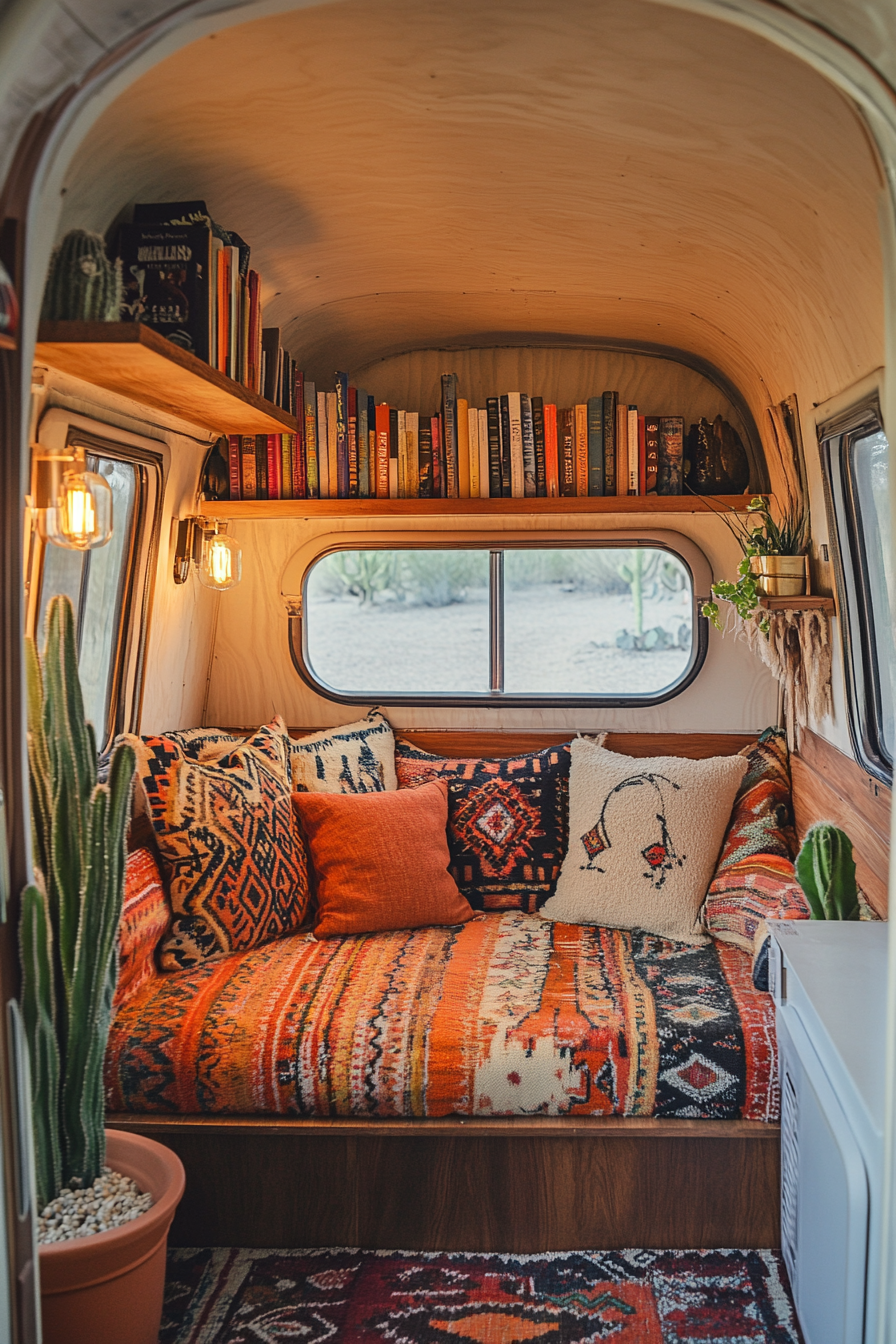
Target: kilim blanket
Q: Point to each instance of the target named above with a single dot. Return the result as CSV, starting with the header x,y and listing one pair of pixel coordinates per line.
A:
x,y
506,1015
387,1297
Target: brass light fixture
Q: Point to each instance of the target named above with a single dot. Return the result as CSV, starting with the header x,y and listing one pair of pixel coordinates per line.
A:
x,y
73,506
217,557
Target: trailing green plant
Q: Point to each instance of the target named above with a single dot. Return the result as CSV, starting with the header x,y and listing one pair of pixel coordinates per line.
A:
x,y
759,535
82,284
70,916
826,871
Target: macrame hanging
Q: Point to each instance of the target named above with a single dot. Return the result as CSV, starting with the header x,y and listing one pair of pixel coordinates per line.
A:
x,y
797,652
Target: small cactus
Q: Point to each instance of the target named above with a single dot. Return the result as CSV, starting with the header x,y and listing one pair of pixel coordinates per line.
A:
x,y
70,916
83,284
826,871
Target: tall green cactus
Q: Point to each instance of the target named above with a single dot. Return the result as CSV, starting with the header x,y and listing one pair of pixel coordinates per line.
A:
x,y
70,916
826,871
82,284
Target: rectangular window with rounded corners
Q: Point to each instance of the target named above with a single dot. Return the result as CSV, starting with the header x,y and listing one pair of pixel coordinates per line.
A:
x,y
856,455
109,587
547,624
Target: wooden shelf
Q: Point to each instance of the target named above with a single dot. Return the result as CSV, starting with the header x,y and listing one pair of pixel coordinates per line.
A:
x,y
440,508
798,604
135,361
7,342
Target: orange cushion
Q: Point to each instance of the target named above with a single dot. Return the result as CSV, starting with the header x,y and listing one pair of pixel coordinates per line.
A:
x,y
381,860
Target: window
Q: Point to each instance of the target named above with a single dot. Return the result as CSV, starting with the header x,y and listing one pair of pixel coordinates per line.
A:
x,y
856,457
108,586
523,623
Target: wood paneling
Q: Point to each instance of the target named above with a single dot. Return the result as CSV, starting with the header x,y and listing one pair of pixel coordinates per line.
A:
x,y
403,508
476,742
492,1185
830,786
133,360
798,604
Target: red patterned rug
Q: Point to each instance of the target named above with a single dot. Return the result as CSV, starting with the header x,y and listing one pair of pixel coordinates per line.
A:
x,y
229,1296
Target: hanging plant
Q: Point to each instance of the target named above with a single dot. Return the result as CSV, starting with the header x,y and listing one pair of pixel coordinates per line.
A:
x,y
759,535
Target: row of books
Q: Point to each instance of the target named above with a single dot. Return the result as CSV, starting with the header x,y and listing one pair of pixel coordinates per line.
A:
x,y
191,280
517,446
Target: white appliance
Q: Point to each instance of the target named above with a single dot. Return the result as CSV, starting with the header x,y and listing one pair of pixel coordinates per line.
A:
x,y
829,982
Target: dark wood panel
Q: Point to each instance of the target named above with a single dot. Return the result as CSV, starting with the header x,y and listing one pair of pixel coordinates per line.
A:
x,y
814,799
488,1186
480,742
867,795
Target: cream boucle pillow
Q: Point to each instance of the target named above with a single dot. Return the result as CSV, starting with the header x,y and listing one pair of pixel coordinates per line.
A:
x,y
357,758
644,837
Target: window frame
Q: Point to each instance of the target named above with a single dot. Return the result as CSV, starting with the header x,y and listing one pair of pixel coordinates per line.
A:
x,y
127,665
298,569
836,437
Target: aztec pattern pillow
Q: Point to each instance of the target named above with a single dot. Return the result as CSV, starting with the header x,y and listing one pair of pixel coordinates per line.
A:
x,y
507,821
358,758
644,839
232,853
145,917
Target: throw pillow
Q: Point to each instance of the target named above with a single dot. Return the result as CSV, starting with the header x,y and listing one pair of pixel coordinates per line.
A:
x,y
359,758
145,916
507,821
381,860
644,839
232,854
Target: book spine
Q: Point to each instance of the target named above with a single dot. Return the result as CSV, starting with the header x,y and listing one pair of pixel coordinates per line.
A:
x,y
632,450
300,462
551,456
401,443
566,450
609,424
340,394
463,448
449,436
253,369
651,452
333,447
233,321
505,446
595,446
353,443
244,331
223,308
514,416
233,461
670,474
261,466
493,419
435,425
581,432
538,437
425,432
248,475
363,446
287,468
311,462
484,456
393,453
213,303
273,466
621,448
473,449
412,429
530,487
323,450
371,448
382,451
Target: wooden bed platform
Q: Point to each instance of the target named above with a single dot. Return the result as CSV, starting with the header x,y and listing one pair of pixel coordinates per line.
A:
x,y
473,1185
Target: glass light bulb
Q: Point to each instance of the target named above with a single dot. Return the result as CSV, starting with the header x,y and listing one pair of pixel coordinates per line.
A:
x,y
221,565
82,517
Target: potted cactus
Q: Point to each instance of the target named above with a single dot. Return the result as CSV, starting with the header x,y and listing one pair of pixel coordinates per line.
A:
x,y
82,284
826,871
108,1284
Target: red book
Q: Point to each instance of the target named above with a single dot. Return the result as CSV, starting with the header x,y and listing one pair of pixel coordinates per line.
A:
x,y
642,456
248,468
353,443
299,460
551,467
274,473
652,453
437,479
382,451
234,449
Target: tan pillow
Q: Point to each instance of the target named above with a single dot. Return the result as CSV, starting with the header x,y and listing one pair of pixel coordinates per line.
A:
x,y
644,837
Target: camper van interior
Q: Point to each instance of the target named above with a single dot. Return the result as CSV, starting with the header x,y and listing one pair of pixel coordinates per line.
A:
x,y
447,729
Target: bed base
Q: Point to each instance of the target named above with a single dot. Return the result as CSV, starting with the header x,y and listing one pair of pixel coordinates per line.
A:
x,y
472,1185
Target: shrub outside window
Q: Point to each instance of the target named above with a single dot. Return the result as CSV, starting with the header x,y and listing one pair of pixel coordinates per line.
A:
x,y
503,624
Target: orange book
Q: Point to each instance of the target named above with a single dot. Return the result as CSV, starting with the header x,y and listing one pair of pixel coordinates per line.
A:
x,y
382,451
551,465
463,448
581,450
621,448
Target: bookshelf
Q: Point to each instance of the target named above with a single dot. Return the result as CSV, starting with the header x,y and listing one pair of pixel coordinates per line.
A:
x,y
434,508
136,362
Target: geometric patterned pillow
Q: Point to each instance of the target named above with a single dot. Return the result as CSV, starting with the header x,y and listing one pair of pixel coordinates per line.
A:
x,y
145,916
232,853
508,821
354,758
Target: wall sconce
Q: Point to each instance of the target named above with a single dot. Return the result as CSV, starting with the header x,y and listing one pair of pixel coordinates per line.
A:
x,y
217,557
73,506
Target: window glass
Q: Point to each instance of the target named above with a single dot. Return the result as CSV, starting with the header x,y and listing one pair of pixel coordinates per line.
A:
x,y
536,623
870,475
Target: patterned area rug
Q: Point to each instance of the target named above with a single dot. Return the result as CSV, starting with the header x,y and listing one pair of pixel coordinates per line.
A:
x,y
228,1296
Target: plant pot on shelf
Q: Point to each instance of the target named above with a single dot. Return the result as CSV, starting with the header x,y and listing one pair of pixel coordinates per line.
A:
x,y
109,1288
780,575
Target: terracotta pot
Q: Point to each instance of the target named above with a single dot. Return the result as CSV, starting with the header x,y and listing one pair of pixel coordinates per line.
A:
x,y
108,1288
780,575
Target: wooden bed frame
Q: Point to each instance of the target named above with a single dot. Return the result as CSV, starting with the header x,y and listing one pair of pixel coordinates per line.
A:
x,y
512,1184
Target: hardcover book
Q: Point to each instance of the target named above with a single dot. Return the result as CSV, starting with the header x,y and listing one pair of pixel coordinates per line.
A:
x,y
382,451
514,420
473,450
299,462
234,451
333,448
340,395
621,448
595,446
670,474
581,433
632,428
286,445
393,453
401,440
529,473
609,422
493,418
425,433
412,429
248,475
463,448
538,438
261,466
651,453
166,275
566,450
311,463
449,423
353,443
438,475
271,349
484,457
504,422
363,446
327,487
551,459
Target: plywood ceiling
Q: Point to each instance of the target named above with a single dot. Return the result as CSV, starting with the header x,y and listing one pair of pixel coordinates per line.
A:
x,y
415,174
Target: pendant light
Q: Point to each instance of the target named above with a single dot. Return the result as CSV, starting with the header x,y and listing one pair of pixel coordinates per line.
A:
x,y
73,506
220,562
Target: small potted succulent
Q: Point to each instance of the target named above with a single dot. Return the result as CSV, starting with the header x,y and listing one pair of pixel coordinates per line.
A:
x,y
102,1232
774,559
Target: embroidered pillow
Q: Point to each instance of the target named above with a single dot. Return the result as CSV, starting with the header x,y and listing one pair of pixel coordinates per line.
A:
x,y
644,837
145,916
359,758
507,821
232,853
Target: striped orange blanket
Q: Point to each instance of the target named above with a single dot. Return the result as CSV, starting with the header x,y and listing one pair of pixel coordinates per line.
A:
x,y
506,1015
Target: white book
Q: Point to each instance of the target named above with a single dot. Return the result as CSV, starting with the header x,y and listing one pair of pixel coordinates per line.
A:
x,y
402,454
323,456
332,455
412,424
483,456
473,421
633,450
517,479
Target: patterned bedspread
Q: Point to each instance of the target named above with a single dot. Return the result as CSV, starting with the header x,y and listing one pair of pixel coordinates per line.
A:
x,y
506,1015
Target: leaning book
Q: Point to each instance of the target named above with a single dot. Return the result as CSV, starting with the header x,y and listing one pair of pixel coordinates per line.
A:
x,y
165,274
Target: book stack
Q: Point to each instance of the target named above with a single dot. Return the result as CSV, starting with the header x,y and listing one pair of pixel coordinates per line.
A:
x,y
517,446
